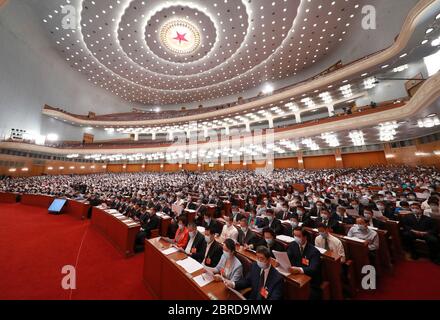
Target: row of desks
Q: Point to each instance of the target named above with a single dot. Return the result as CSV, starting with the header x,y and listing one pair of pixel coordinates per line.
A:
x,y
77,209
167,280
120,230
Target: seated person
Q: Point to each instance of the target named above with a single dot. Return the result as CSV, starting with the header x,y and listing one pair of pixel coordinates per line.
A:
x,y
418,226
357,207
149,221
303,217
326,219
268,242
208,221
229,267
245,235
252,220
181,238
387,209
361,231
214,250
341,215
432,209
327,241
264,280
271,222
236,215
372,221
196,245
229,230
306,259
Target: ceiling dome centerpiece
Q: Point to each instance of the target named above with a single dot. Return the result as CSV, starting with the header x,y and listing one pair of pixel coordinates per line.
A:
x,y
180,36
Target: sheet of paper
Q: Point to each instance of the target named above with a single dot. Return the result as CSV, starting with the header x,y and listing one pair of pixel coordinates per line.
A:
x,y
132,224
190,265
352,212
111,211
283,272
203,279
283,259
321,250
169,251
286,239
354,239
201,229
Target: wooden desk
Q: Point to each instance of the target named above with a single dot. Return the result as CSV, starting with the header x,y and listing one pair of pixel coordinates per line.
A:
x,y
168,281
8,197
121,233
38,200
296,286
165,222
77,209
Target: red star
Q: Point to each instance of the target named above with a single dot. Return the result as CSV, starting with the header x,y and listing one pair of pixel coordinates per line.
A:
x,y
180,37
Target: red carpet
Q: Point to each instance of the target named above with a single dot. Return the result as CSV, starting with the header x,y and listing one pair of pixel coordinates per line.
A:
x,y
35,246
412,280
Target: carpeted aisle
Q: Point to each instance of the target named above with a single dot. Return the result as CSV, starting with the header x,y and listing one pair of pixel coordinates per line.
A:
x,y
35,246
412,280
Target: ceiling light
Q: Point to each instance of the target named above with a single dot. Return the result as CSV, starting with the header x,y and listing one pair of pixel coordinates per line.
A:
x,y
401,68
370,83
357,137
387,131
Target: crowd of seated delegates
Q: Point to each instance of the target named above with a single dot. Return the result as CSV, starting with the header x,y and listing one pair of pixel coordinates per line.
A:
x,y
331,199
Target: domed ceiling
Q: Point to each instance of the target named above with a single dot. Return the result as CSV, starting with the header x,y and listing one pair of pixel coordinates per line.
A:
x,y
172,52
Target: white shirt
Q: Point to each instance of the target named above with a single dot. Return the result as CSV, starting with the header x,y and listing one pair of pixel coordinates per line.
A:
x,y
207,248
189,245
334,245
229,233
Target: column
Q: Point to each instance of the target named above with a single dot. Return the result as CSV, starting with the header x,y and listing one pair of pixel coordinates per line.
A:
x,y
300,159
153,135
248,127
331,110
136,136
338,157
298,117
270,122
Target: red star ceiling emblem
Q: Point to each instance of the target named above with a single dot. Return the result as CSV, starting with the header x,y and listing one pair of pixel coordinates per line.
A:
x,y
180,37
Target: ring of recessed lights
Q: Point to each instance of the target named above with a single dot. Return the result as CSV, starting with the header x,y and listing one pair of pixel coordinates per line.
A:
x,y
252,42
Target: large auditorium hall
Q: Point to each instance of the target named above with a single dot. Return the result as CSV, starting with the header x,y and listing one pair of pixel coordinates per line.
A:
x,y
256,153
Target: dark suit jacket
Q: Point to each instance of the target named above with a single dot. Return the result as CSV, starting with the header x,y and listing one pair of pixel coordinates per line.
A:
x,y
151,223
313,268
274,283
425,224
276,225
199,245
214,254
276,246
214,225
249,238
284,215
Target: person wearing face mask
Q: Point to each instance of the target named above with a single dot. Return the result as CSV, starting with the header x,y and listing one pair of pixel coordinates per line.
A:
x,y
361,231
271,222
372,221
268,241
357,207
303,217
316,210
327,219
250,206
196,245
208,221
433,211
229,267
327,241
305,259
181,238
418,226
387,210
266,282
214,250
245,235
236,215
229,231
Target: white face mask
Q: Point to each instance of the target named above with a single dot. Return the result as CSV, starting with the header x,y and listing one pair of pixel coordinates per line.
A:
x,y
262,265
